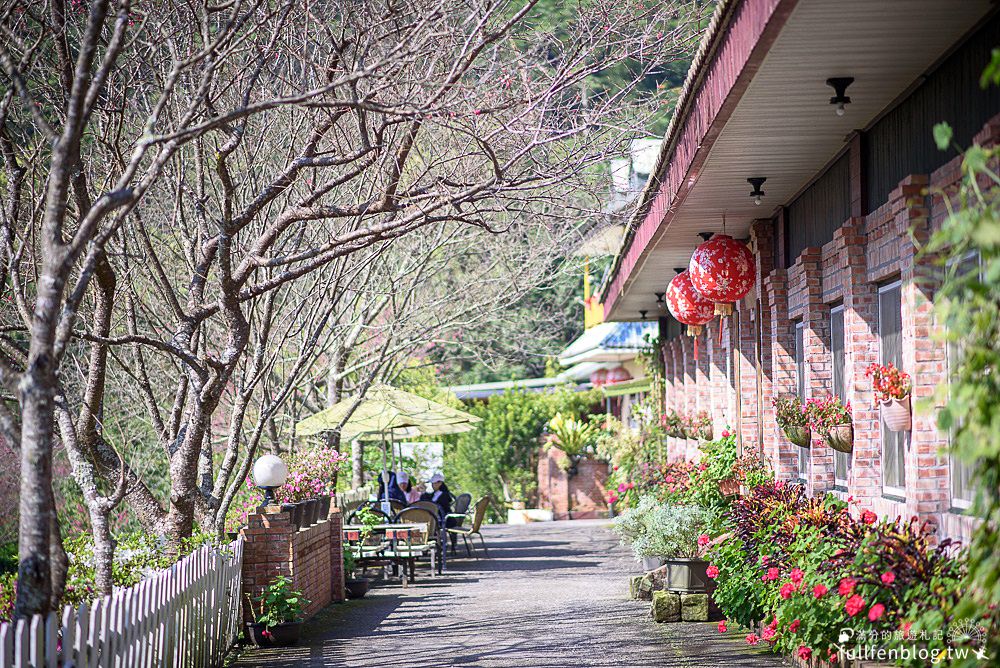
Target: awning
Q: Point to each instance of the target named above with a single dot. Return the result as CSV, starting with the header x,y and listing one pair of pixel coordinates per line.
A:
x,y
609,342
628,387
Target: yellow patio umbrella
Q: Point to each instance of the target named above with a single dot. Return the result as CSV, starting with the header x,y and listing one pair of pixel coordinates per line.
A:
x,y
384,409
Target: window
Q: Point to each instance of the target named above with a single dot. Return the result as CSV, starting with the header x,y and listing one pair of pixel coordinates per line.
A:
x,y
841,460
800,389
890,328
961,472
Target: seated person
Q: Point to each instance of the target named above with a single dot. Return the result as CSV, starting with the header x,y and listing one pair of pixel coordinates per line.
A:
x,y
442,497
395,493
406,486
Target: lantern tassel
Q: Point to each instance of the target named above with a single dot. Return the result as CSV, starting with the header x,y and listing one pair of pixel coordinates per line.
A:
x,y
722,308
695,348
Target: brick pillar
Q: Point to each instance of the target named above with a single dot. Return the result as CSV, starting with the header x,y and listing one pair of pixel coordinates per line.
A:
x,y
762,239
860,350
336,555
782,452
669,392
702,372
748,417
689,399
719,391
818,363
924,358
267,553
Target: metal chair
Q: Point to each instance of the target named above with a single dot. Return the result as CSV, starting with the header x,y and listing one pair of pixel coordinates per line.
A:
x,y
353,517
429,506
462,502
422,516
477,523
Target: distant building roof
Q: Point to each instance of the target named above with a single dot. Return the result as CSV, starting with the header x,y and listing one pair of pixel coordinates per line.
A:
x,y
608,342
484,390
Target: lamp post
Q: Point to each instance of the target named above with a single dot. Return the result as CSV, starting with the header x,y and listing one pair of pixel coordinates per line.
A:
x,y
269,473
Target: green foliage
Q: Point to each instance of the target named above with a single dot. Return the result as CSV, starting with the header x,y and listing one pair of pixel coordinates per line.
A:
x,y
350,561
655,529
967,251
718,463
368,519
574,436
500,456
279,603
8,557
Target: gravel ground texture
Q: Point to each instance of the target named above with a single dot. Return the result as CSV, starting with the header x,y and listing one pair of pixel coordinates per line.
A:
x,y
550,595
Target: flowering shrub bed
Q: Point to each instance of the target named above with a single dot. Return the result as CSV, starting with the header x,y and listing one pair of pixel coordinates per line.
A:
x,y
806,570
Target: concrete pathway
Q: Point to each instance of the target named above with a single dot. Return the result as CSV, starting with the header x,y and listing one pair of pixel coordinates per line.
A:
x,y
551,595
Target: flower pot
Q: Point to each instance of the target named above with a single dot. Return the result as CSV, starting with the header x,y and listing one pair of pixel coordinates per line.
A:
x,y
729,487
841,437
896,414
324,508
281,635
651,563
687,576
309,513
295,509
800,435
356,588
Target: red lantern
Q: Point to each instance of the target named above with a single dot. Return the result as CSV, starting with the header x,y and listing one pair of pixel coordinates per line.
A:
x,y
618,375
722,270
687,305
599,377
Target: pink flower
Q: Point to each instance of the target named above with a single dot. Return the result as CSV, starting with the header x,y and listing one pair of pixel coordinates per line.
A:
x,y
905,628
868,517
804,653
764,559
846,587
819,591
772,574
767,633
753,639
796,575
712,571
703,540
794,626
876,611
702,467
854,605
725,433
722,626
888,578
787,590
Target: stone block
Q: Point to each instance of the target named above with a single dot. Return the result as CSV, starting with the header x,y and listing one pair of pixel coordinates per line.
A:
x,y
694,607
666,607
645,588
634,587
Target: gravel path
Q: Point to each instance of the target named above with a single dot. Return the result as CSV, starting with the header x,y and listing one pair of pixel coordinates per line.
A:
x,y
551,595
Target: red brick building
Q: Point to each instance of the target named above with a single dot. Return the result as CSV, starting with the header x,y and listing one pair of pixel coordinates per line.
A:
x,y
846,199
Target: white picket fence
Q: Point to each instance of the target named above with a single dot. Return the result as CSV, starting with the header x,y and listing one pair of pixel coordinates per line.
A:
x,y
186,616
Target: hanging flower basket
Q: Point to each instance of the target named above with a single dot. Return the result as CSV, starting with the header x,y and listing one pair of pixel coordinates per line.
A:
x,y
800,435
896,414
841,437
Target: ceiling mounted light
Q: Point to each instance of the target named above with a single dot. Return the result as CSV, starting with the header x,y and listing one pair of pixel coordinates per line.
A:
x,y
642,315
756,193
659,298
839,85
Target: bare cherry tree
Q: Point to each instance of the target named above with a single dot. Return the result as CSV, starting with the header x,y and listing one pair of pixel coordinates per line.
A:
x,y
178,175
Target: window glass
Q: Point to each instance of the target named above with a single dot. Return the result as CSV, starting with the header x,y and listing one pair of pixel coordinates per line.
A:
x,y
800,388
890,326
841,460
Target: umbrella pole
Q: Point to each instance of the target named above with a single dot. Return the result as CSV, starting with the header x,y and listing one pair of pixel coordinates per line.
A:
x,y
385,481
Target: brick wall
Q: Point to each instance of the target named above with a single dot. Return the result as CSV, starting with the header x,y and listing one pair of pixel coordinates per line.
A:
x,y
864,251
581,496
312,557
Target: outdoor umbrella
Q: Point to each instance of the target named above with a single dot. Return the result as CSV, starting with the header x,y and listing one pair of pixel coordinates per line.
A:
x,y
385,409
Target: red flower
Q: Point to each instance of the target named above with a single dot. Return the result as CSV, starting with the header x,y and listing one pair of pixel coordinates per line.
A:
x,y
868,517
804,653
833,657
722,626
854,605
712,571
703,540
753,639
877,611
767,633
725,433
794,626
846,587
905,628
888,578
797,575
819,591
772,574
787,590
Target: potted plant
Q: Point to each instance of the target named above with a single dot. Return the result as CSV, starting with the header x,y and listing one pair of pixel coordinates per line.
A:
x,y
324,508
355,587
671,423
368,519
665,536
574,437
831,419
892,389
701,426
277,616
793,419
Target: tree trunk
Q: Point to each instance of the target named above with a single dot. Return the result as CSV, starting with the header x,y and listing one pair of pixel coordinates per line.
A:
x,y
357,464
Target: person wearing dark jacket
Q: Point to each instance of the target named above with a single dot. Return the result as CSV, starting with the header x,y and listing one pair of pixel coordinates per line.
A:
x,y
395,493
442,497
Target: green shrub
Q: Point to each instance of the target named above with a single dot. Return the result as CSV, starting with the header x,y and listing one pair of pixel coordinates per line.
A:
x,y
655,529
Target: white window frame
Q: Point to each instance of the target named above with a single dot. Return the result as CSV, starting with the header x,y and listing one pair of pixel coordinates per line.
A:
x,y
888,490
958,502
834,310
804,459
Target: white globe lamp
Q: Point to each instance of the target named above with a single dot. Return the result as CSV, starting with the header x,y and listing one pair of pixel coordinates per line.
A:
x,y
269,473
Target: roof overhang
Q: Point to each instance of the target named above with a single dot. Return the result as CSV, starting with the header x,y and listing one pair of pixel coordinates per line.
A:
x,y
757,104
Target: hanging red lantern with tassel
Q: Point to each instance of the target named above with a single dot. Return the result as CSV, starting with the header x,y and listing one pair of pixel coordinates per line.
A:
x,y
599,377
687,305
617,375
723,270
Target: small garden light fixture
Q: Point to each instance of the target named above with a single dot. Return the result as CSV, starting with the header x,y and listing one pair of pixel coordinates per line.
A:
x,y
841,99
269,473
756,193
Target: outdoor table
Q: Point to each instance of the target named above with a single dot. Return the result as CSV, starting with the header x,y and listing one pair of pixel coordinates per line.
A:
x,y
394,533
